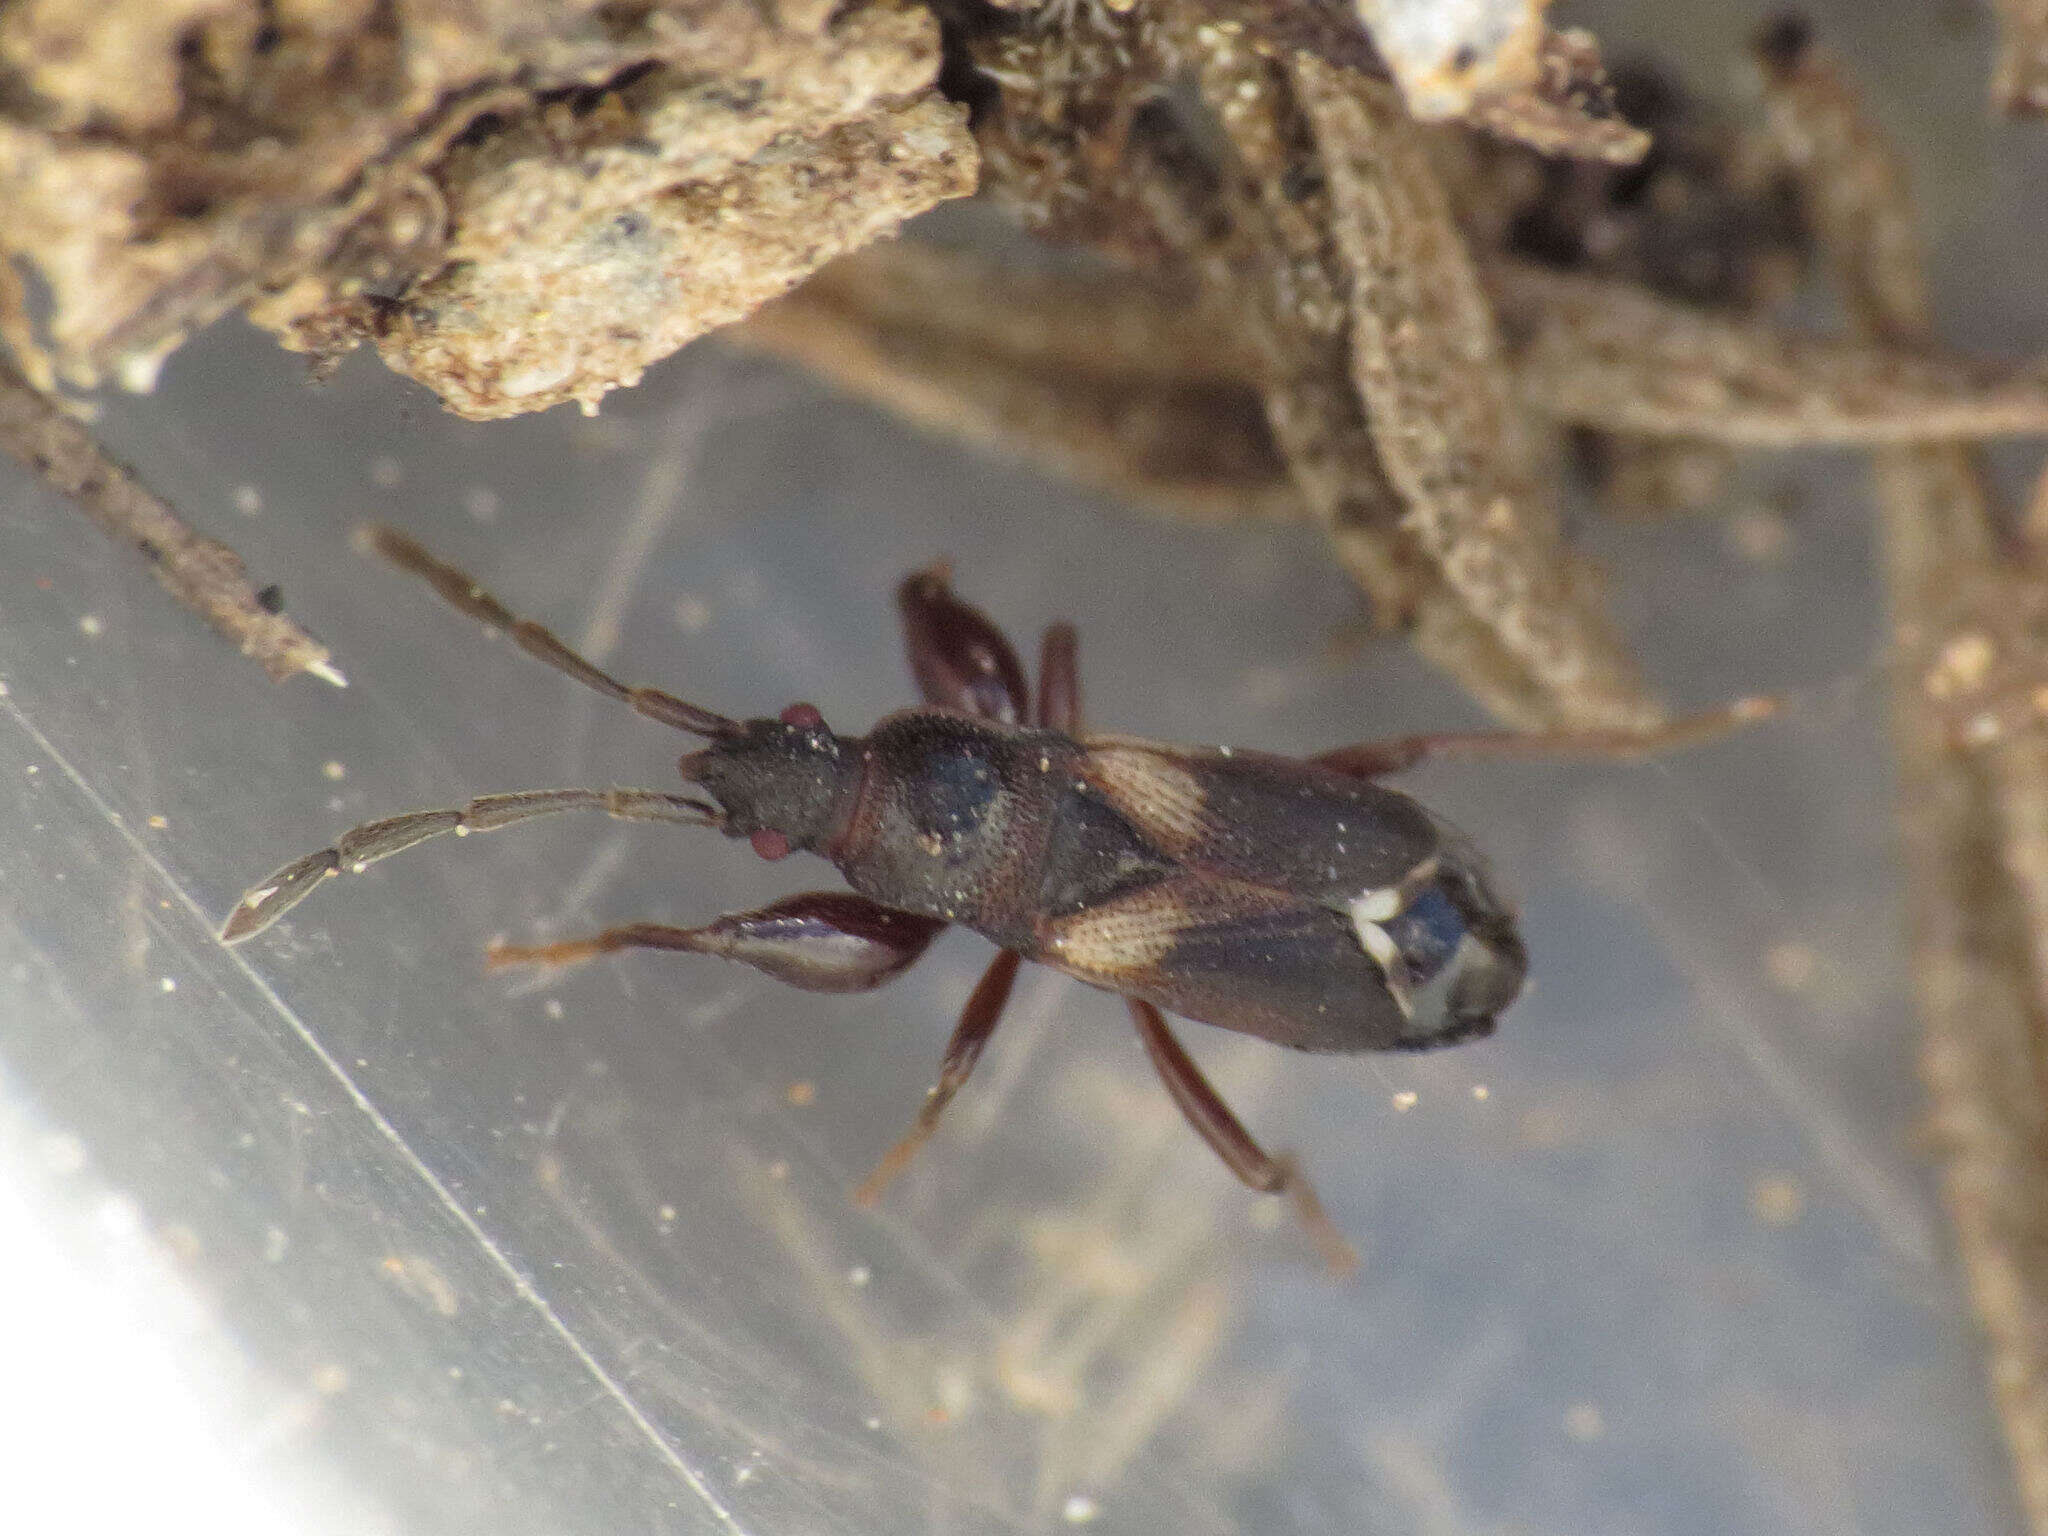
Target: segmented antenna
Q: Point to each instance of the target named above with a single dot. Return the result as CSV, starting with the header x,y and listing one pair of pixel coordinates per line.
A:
x,y
360,847
459,591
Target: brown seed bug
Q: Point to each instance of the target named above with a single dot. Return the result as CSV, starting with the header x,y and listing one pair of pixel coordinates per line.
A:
x,y
1293,899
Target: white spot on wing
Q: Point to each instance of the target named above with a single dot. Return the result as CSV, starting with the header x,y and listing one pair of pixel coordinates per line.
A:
x,y
1377,906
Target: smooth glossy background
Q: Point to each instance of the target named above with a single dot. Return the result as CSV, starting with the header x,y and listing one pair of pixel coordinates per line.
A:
x,y
340,1232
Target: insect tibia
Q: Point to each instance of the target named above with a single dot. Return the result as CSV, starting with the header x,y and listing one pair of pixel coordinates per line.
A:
x,y
267,902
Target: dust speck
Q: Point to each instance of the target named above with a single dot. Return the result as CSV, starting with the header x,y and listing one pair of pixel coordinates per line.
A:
x,y
1776,1199
63,1153
1791,966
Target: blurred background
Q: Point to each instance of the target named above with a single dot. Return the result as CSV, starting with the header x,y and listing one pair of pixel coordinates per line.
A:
x,y
339,1231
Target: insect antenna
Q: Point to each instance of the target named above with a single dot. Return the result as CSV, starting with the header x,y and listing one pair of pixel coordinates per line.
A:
x,y
458,590
360,847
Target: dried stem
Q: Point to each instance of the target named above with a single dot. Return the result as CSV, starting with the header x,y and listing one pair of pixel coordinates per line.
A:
x,y
1974,825
1615,356
1427,363
203,574
1265,242
1103,377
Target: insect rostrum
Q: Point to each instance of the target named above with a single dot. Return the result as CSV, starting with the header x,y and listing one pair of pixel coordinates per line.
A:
x,y
1292,899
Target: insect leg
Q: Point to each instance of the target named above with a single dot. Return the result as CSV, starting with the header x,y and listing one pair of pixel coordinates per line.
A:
x,y
819,941
1227,1137
977,1023
1370,759
461,592
360,847
956,653
1059,680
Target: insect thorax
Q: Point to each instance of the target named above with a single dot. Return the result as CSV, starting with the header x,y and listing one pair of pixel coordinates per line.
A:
x,y
952,815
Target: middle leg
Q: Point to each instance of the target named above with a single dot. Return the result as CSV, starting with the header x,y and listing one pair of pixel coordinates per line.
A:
x,y
977,1022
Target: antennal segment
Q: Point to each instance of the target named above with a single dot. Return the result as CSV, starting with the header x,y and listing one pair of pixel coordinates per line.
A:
x,y
360,847
459,591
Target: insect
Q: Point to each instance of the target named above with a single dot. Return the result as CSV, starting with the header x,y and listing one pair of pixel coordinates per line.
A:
x,y
1293,899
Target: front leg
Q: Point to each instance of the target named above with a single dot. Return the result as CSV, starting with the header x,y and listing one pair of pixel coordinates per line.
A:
x,y
956,653
819,941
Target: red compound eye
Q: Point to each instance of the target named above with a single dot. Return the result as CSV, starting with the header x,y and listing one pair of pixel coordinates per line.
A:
x,y
769,843
803,716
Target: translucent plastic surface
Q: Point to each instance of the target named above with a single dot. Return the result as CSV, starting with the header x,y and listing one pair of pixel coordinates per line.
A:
x,y
576,1254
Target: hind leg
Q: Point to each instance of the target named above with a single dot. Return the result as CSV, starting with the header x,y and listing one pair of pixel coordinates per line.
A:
x,y
1216,1124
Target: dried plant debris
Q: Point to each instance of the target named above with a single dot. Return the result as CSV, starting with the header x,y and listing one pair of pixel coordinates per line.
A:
x,y
1411,306
1113,378
203,574
1427,363
423,172
1568,109
1244,179
1495,64
1706,218
1974,801
1596,353
1338,314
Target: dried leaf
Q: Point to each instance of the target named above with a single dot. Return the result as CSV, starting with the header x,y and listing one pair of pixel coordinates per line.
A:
x,y
1427,362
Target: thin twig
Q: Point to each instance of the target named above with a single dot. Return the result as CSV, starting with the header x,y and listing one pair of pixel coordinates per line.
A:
x,y
1427,362
1974,824
1100,377
1615,356
203,574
